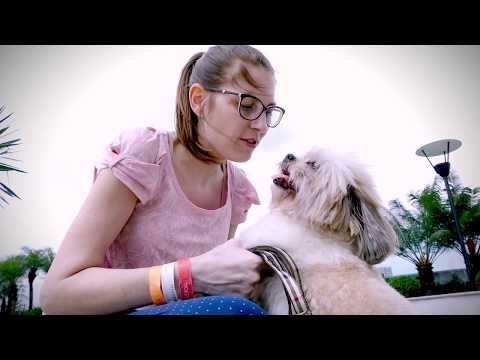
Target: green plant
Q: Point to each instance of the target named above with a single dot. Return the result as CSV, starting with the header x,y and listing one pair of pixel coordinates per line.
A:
x,y
422,237
5,149
408,286
11,269
36,260
33,312
467,205
453,286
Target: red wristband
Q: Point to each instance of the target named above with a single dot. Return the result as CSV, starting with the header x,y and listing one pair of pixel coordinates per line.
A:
x,y
185,279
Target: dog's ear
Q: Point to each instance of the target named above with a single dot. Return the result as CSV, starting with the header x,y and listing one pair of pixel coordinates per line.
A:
x,y
370,226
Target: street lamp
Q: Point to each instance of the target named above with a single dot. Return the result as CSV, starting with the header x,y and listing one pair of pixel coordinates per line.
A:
x,y
445,147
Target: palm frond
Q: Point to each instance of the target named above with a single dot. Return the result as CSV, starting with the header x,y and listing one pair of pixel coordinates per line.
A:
x,y
5,167
7,190
10,143
419,229
4,129
5,147
3,199
6,117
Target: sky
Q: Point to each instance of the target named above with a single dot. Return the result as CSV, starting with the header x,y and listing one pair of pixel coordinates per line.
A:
x,y
378,103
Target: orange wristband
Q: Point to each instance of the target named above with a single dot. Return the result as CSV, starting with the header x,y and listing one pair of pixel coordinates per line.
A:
x,y
155,285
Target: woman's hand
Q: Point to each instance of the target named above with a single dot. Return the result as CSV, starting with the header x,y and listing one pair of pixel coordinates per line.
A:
x,y
227,269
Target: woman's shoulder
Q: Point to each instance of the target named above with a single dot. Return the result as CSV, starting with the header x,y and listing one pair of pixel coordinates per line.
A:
x,y
144,134
136,157
143,142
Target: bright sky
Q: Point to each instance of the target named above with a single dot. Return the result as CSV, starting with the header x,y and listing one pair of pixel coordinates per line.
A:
x,y
378,102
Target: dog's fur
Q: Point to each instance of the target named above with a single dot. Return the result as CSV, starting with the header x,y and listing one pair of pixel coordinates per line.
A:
x,y
326,214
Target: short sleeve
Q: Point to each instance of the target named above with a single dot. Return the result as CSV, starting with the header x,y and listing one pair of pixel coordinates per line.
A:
x,y
135,158
243,196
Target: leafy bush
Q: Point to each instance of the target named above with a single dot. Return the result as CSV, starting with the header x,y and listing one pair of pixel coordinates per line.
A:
x,y
35,311
408,286
477,281
453,286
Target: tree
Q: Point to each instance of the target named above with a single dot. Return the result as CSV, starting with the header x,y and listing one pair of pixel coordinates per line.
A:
x,y
35,260
11,269
5,149
467,206
3,296
422,235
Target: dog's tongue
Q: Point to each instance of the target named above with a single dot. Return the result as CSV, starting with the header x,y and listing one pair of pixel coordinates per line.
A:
x,y
281,180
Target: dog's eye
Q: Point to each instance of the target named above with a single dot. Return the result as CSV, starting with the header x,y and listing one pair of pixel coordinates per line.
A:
x,y
313,164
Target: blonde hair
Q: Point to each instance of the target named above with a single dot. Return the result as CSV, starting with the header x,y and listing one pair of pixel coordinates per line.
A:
x,y
209,70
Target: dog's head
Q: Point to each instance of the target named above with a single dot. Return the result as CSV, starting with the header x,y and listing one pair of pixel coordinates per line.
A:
x,y
334,194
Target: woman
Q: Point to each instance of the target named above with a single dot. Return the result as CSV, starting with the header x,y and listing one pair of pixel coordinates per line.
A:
x,y
155,225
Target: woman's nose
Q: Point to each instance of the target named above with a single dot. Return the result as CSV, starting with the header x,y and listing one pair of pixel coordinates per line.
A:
x,y
260,123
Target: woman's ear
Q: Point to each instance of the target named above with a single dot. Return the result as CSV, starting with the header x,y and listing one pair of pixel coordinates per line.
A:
x,y
197,96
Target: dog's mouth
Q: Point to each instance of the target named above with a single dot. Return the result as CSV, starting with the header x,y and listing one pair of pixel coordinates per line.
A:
x,y
283,180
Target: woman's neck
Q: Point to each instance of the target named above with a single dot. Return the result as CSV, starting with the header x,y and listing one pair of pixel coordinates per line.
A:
x,y
187,164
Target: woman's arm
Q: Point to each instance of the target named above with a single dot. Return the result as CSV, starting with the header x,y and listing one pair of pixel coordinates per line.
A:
x,y
77,283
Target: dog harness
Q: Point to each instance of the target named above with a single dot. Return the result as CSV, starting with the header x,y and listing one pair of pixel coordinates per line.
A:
x,y
284,266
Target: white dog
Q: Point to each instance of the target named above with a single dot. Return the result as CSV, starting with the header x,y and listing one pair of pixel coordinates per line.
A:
x,y
326,214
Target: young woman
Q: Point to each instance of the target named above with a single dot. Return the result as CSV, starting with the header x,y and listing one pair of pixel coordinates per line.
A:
x,y
156,225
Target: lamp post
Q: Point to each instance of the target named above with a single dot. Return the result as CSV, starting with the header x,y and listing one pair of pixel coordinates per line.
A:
x,y
445,147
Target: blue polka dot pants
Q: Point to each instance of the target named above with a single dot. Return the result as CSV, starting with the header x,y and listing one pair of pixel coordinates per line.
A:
x,y
210,305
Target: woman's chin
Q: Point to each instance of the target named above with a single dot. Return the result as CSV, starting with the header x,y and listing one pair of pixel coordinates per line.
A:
x,y
240,157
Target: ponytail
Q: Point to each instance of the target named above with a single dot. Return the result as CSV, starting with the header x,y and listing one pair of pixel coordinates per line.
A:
x,y
186,120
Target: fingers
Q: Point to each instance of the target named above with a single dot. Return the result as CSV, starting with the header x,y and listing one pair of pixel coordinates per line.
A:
x,y
259,263
241,268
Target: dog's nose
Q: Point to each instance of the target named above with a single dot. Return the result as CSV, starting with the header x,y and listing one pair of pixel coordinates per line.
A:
x,y
290,157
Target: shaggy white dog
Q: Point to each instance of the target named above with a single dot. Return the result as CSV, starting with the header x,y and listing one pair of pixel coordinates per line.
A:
x,y
326,214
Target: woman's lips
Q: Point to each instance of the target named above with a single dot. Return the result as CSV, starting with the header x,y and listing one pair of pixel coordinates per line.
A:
x,y
252,143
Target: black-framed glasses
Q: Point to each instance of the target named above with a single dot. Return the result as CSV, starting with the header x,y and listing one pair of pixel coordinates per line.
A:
x,y
251,108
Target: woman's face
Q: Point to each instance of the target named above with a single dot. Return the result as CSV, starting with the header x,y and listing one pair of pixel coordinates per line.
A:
x,y
222,129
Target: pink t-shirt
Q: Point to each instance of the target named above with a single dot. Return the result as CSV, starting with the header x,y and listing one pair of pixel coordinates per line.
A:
x,y
165,225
